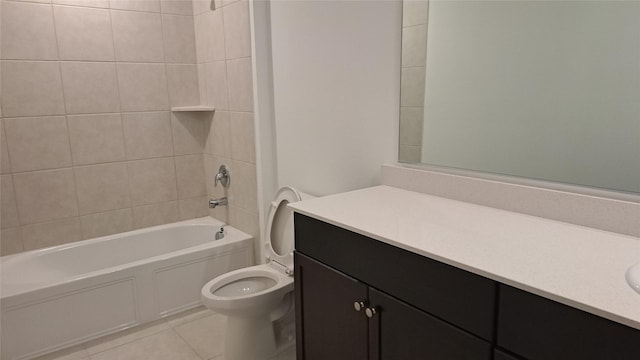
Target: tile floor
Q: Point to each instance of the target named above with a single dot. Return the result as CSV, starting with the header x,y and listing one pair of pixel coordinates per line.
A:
x,y
196,334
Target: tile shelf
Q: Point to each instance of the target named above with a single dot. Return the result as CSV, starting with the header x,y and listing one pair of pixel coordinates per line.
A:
x,y
192,108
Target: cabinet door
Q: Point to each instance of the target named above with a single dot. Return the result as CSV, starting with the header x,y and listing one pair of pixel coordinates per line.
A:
x,y
541,329
328,326
408,333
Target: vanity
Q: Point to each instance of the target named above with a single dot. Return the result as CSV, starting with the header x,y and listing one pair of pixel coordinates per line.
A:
x,y
385,273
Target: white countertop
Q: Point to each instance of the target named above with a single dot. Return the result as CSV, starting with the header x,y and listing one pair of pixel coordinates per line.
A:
x,y
574,265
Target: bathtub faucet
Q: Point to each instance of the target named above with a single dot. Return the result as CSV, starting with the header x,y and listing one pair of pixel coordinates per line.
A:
x,y
213,203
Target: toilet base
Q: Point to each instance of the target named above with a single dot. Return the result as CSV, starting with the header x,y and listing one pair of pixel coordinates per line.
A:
x,y
250,338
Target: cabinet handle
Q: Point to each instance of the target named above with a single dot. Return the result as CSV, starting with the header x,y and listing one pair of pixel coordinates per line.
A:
x,y
359,305
370,312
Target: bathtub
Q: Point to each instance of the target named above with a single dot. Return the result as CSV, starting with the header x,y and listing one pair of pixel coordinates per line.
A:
x,y
64,295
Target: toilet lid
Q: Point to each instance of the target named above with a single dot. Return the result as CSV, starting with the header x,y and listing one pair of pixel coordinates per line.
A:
x,y
279,237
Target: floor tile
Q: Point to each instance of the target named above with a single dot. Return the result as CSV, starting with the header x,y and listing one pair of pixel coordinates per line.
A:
x,y
205,335
124,337
165,345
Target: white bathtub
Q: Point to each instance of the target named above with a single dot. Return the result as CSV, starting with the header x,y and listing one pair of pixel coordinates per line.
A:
x,y
64,295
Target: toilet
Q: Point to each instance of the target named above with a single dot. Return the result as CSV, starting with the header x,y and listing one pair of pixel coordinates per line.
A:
x,y
253,298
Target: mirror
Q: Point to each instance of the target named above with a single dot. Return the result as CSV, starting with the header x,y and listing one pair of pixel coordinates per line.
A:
x,y
546,90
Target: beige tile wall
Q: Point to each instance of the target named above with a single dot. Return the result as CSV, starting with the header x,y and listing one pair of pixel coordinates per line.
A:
x,y
89,146
223,44
414,53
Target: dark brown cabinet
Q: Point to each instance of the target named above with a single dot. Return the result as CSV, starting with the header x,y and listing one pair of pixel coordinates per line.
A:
x,y
404,299
333,329
383,328
537,328
420,308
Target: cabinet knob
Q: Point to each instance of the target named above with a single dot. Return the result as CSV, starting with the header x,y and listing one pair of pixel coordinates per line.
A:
x,y
370,312
359,305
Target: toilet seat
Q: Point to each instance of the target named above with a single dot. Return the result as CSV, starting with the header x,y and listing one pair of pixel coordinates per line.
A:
x,y
279,234
243,304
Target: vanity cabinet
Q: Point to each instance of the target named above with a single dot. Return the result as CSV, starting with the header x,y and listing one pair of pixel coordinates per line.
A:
x,y
413,307
408,306
537,328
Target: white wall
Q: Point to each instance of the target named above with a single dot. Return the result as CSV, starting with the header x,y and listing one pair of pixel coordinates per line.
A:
x,y
336,78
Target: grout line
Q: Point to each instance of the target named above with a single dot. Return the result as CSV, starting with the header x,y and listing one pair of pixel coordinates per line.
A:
x,y
139,329
101,163
186,342
66,120
124,138
150,62
13,182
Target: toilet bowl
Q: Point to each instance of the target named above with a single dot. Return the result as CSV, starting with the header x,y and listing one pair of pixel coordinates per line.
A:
x,y
253,298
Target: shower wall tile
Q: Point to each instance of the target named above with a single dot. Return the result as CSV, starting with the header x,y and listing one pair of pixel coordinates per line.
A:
x,y
223,46
38,143
102,188
137,36
216,81
201,6
245,220
188,134
152,181
219,135
31,88
45,195
9,209
177,7
85,3
179,39
244,187
107,223
83,33
51,233
96,138
119,159
157,214
143,87
240,84
222,213
11,242
227,2
5,164
236,30
242,132
36,1
211,36
190,176
28,32
183,85
147,135
90,87
194,207
136,5
202,83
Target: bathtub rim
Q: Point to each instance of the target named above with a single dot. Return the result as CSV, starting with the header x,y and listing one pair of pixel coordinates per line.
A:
x,y
232,235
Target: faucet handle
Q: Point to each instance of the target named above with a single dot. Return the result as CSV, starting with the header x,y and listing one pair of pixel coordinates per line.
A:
x,y
223,176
